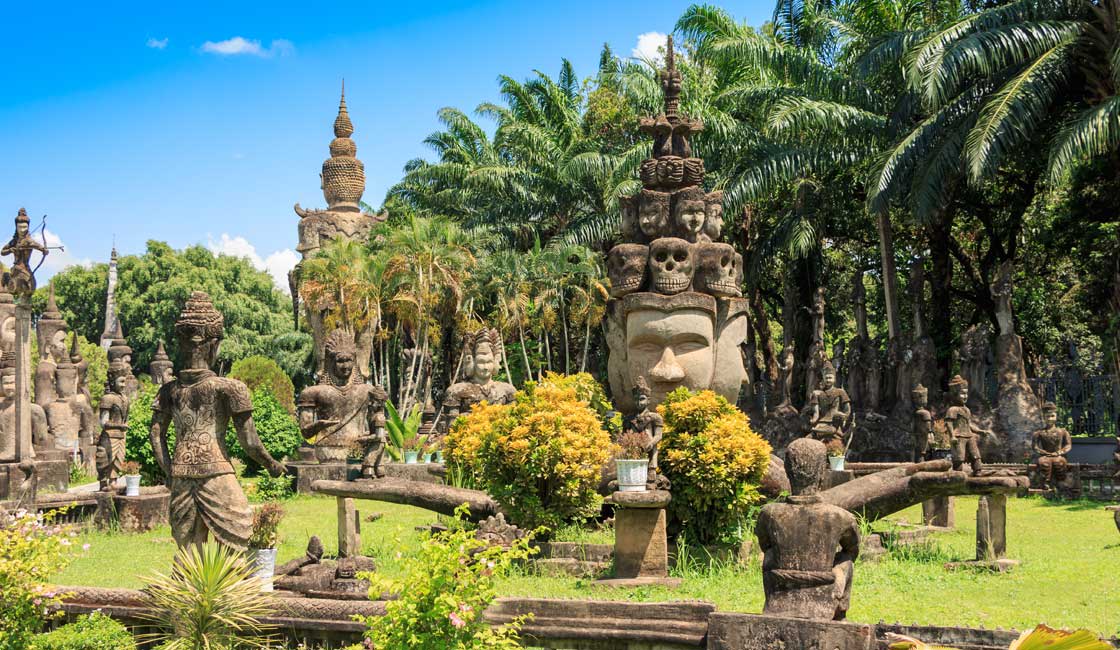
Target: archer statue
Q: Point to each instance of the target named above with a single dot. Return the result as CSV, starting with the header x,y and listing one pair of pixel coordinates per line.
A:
x,y
20,280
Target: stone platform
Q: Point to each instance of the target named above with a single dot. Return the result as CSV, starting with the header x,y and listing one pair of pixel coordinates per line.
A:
x,y
18,483
133,514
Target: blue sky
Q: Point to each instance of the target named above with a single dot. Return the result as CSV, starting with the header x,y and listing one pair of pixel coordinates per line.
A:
x,y
205,123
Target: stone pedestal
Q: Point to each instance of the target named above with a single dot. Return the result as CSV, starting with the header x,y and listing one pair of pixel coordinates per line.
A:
x,y
423,472
18,483
305,473
54,475
349,528
729,631
940,512
991,535
133,514
640,547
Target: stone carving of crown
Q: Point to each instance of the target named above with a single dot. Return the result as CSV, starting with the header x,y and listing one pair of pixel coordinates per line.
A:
x,y
344,176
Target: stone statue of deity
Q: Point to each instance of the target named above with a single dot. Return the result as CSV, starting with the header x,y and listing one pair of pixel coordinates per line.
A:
x,y
786,366
51,333
120,350
70,418
482,357
21,277
962,431
922,423
206,499
37,437
114,426
648,422
340,411
1051,445
829,410
809,547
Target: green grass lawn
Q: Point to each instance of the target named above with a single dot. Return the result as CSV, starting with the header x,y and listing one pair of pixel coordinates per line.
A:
x,y
1069,576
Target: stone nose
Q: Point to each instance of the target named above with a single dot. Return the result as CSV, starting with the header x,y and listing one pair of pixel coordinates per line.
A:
x,y
667,369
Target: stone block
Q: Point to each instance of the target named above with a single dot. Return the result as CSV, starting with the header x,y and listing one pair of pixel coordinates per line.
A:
x,y
991,527
349,529
940,512
305,473
133,514
423,472
727,631
640,546
54,475
17,484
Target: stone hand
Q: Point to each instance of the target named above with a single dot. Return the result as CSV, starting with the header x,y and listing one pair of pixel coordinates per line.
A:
x,y
320,425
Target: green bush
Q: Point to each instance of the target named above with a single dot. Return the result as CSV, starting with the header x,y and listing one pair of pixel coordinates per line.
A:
x,y
268,488
137,445
262,372
32,548
94,632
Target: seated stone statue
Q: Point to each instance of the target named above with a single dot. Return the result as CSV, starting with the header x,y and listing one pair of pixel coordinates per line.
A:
x,y
829,410
39,436
962,431
1051,445
481,357
340,410
810,546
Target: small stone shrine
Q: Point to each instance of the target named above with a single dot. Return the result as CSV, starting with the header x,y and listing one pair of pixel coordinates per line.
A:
x,y
206,499
482,357
675,317
809,546
343,182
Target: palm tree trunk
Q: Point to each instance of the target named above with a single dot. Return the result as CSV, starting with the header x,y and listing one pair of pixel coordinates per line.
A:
x,y
940,233
586,343
524,353
890,278
564,330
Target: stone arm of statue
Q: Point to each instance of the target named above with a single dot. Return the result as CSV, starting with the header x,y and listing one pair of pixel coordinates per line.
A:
x,y
157,434
309,426
1036,445
39,426
845,559
1067,443
251,443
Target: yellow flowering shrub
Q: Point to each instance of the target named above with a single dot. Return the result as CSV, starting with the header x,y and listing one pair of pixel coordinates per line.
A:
x,y
716,464
590,391
539,457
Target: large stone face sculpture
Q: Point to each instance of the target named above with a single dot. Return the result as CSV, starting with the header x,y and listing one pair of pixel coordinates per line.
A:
x,y
206,499
810,546
341,411
343,183
482,357
675,317
114,426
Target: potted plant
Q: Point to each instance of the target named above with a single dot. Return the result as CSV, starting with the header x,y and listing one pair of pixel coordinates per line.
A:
x,y
264,540
632,462
835,459
412,449
131,471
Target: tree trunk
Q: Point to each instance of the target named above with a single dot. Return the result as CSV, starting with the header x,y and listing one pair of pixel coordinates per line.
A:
x,y
890,278
765,341
940,234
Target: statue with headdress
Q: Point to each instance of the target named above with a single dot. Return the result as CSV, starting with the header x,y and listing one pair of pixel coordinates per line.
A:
x,y
482,358
962,430
21,277
342,411
829,410
1051,444
206,499
37,437
114,425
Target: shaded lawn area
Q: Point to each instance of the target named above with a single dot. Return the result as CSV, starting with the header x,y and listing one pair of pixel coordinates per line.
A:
x,y
1069,576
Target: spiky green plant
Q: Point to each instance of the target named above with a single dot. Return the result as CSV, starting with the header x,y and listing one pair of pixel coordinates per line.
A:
x,y
209,601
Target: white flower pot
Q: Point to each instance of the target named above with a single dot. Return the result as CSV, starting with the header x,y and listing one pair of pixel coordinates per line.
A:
x,y
132,485
410,457
265,567
632,474
438,457
427,458
836,463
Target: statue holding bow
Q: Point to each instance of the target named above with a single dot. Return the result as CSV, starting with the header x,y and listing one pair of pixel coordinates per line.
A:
x,y
21,279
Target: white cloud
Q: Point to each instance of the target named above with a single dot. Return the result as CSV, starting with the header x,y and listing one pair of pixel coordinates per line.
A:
x,y
277,264
648,46
57,259
240,45
158,43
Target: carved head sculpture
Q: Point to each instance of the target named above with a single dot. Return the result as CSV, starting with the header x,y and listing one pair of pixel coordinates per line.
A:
x,y
8,379
199,329
484,349
647,172
670,341
626,268
958,390
641,394
693,171
731,332
828,376
7,322
23,223
689,213
919,395
119,374
670,265
340,355
66,380
1050,414
653,213
719,270
713,207
670,171
51,330
630,229
806,466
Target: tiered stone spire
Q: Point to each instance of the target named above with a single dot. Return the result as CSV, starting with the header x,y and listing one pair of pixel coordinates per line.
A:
x,y
344,176
110,303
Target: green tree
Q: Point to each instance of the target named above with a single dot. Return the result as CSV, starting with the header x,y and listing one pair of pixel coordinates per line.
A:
x,y
261,372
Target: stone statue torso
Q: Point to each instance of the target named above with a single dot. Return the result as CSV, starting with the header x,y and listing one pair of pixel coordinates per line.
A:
x,y
830,401
959,419
466,394
201,410
348,404
115,409
1051,440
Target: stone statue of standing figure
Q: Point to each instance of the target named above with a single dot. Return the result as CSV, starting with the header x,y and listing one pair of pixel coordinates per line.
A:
x,y
21,277
206,499
114,425
647,421
962,431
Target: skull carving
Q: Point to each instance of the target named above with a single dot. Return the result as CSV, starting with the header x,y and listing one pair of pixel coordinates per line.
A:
x,y
648,172
713,206
670,171
653,213
719,270
670,265
626,268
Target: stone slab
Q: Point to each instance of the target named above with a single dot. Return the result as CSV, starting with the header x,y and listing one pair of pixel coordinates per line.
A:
x,y
728,631
14,484
640,545
939,511
136,514
424,472
307,473
349,528
629,583
644,499
54,475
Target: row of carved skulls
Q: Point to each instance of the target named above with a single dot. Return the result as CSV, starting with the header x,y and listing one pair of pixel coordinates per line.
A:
x,y
689,214
671,265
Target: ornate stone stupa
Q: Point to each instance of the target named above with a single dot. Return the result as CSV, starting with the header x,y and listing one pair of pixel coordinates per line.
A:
x,y
161,369
343,183
676,316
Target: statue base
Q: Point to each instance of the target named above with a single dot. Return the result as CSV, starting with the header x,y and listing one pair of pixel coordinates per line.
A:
x,y
133,514
641,550
306,473
19,484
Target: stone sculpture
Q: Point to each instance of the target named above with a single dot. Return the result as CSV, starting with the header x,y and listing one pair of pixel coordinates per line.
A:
x,y
36,436
161,369
120,350
1051,445
206,499
785,379
21,278
343,183
482,357
975,356
962,431
829,410
114,425
51,333
647,422
1017,413
83,368
111,316
862,363
675,317
922,423
339,412
924,351
70,418
809,546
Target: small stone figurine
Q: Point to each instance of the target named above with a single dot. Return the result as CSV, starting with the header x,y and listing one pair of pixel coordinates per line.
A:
x,y
922,422
810,547
961,429
648,422
1051,444
829,410
21,281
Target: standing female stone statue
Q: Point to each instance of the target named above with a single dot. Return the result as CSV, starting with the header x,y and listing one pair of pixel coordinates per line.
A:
x,y
206,499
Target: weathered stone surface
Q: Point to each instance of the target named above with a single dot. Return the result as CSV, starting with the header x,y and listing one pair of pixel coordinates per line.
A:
x,y
991,527
18,481
647,499
481,361
114,425
349,528
306,473
728,631
422,472
939,511
640,548
133,514
443,499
